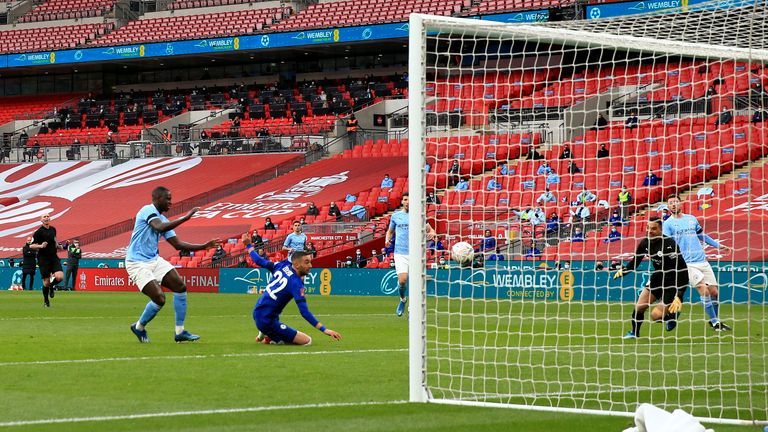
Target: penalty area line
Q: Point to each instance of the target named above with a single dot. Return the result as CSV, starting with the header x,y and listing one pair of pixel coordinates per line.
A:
x,y
196,412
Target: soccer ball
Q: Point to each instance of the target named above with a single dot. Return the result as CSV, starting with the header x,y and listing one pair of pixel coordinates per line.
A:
x,y
462,252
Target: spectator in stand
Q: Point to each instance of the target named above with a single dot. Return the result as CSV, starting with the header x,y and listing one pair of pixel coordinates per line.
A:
x,y
302,221
615,219
651,179
432,198
335,211
350,198
602,152
536,216
185,253
29,153
234,129
219,255
613,235
601,122
494,185
533,154
553,178
725,117
632,121
435,244
374,255
578,236
256,239
665,214
312,210
711,91
352,130
573,168
75,148
427,167
268,225
297,118
463,184
496,256
166,136
387,182
585,196
553,223
624,199
488,243
360,261
383,254
262,253
544,169
310,249
546,197
759,116
23,138
580,214
566,153
454,173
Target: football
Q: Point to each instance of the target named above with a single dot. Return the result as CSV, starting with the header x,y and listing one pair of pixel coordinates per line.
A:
x,y
462,252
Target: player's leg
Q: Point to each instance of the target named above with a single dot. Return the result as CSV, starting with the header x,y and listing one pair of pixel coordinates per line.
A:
x,y
141,274
45,274
175,283
697,275
401,267
714,294
57,276
156,302
638,313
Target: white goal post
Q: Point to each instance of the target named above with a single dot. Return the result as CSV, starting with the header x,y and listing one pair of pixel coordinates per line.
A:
x,y
528,330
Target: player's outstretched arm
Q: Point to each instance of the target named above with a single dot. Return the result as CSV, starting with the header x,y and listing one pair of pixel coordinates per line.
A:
x,y
167,226
179,245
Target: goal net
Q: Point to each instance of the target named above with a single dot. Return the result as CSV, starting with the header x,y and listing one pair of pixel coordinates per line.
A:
x,y
549,147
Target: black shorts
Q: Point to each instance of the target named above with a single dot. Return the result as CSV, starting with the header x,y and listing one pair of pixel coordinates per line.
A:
x,y
665,287
49,266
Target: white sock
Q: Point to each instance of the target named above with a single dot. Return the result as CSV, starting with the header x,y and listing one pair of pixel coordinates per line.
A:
x,y
139,326
179,329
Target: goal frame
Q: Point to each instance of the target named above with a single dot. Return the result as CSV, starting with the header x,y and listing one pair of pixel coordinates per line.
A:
x,y
419,26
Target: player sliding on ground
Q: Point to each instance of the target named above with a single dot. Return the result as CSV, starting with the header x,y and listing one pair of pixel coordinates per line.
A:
x,y
287,283
398,228
148,270
669,279
688,234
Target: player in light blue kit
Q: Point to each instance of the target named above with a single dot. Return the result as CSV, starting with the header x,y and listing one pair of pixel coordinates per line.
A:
x,y
398,227
295,241
688,235
287,284
148,270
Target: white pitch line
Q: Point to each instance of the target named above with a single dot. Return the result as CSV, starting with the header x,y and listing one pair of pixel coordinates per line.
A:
x,y
248,316
198,356
197,412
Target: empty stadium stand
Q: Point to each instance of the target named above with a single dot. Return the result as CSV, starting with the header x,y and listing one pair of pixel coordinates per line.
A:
x,y
30,107
358,12
201,26
52,10
50,38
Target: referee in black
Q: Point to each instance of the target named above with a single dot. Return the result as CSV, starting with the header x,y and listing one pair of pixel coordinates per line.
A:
x,y
669,279
44,241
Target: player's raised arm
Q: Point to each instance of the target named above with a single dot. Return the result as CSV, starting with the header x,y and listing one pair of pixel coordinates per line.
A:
x,y
257,259
161,226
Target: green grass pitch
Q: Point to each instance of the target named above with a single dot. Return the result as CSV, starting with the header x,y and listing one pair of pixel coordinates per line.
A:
x,y
76,366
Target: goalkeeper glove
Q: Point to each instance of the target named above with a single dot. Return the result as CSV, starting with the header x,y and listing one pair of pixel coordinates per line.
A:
x,y
675,306
619,274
